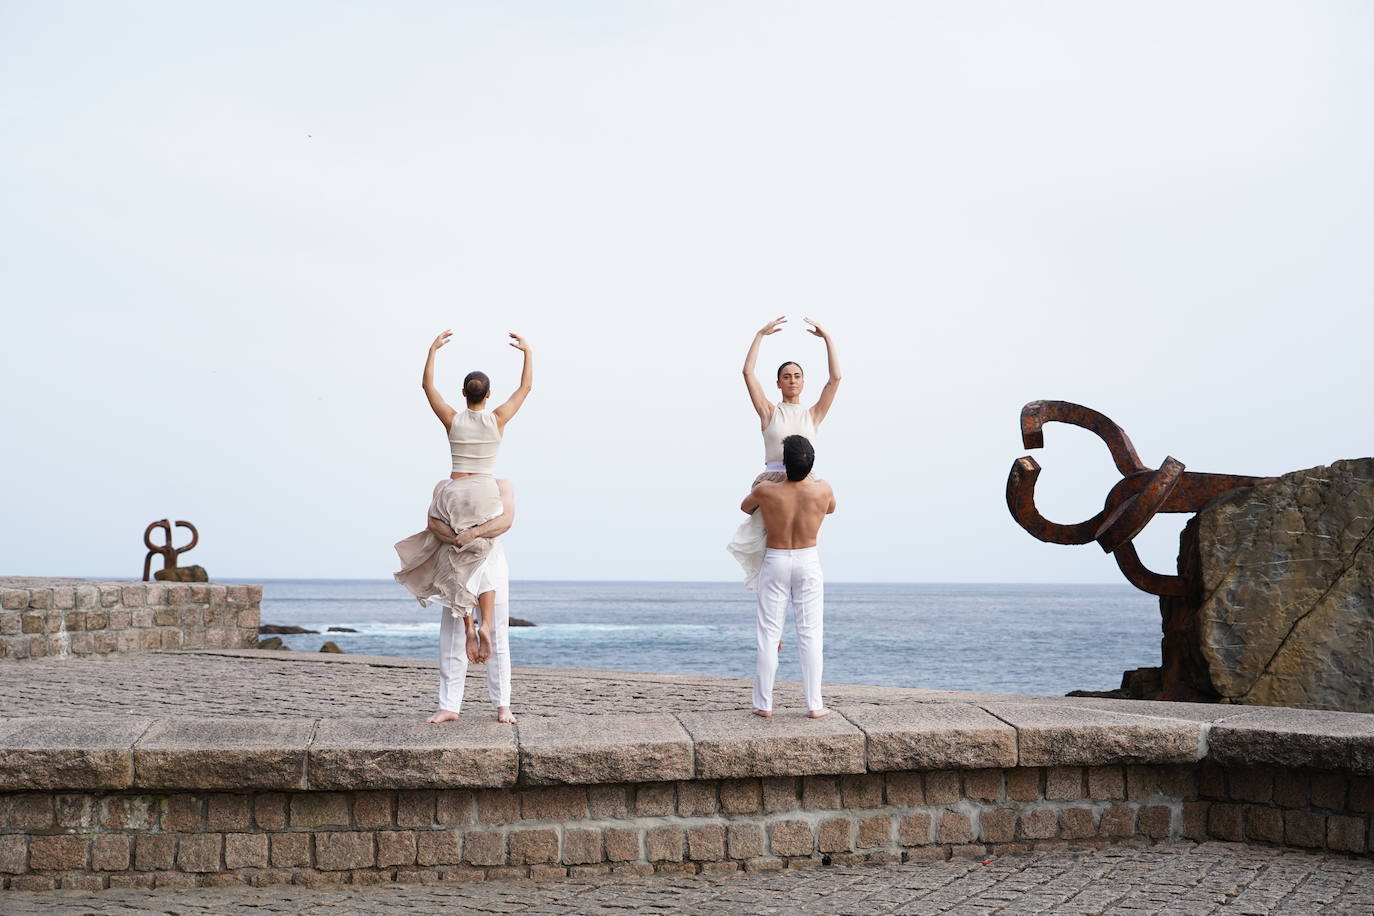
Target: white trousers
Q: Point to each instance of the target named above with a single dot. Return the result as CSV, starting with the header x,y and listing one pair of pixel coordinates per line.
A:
x,y
453,658
790,575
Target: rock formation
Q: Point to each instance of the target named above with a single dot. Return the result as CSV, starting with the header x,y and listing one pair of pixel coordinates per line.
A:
x,y
1283,613
331,646
182,574
278,628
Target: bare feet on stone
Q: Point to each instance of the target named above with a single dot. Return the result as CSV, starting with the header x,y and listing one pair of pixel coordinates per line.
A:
x,y
442,715
818,713
503,715
763,714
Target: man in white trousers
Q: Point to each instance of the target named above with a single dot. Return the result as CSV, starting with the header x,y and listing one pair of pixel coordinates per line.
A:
x,y
453,657
792,510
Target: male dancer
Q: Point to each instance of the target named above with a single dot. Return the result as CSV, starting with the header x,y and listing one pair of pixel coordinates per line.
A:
x,y
792,510
453,659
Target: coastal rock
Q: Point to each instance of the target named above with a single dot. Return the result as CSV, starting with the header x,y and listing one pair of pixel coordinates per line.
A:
x,y
331,646
520,622
341,630
1287,576
278,628
273,642
182,574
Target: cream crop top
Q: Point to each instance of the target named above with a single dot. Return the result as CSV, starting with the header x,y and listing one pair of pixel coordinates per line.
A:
x,y
787,420
474,439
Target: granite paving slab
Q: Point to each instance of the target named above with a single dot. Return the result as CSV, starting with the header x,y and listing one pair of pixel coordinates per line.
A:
x,y
738,744
1063,735
933,736
223,753
591,749
77,753
361,753
1269,736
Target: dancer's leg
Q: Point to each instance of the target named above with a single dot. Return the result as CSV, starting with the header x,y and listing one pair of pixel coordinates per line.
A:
x,y
808,616
453,668
486,603
772,598
498,666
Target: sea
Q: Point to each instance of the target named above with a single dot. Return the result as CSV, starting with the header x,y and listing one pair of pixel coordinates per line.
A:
x,y
1029,639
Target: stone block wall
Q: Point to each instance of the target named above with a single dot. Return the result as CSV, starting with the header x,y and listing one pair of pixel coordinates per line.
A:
x,y
123,839
45,618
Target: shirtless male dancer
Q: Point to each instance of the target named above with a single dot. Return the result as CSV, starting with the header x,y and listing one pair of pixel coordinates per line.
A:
x,y
792,510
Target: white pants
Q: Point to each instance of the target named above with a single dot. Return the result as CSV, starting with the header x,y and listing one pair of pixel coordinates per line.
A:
x,y
790,575
453,658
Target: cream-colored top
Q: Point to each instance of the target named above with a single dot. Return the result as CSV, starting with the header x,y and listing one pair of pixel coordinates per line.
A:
x,y
787,420
474,440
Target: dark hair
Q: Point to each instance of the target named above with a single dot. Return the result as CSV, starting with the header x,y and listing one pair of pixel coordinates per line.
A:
x,y
789,363
476,385
797,457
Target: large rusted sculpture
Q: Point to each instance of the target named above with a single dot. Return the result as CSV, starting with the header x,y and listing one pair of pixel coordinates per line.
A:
x,y
168,552
1141,493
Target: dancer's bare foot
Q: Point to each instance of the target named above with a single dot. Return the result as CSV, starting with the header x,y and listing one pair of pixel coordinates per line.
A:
x,y
503,715
442,715
763,714
818,713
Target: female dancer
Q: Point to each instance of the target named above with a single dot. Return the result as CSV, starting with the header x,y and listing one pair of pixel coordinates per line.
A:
x,y
785,418
464,576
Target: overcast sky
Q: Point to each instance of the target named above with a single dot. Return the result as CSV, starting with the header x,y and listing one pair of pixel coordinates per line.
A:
x,y
229,232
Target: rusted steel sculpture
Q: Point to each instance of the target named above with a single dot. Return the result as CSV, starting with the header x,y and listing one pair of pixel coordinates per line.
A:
x,y
169,553
1141,493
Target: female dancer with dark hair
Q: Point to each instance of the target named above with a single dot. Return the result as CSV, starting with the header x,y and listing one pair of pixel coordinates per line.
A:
x,y
459,562
778,421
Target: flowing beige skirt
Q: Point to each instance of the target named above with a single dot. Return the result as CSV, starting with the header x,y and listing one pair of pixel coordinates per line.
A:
x,y
751,539
454,576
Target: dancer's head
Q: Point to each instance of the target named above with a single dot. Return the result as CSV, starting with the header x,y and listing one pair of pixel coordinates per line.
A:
x,y
790,379
797,457
476,388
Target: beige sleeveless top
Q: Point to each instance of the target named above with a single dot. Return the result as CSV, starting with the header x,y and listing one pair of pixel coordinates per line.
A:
x,y
474,440
788,420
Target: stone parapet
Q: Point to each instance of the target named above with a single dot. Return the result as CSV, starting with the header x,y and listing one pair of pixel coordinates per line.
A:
x,y
45,618
159,839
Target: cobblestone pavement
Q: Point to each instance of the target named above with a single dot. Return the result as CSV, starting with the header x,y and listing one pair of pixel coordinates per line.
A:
x,y
1176,878
288,686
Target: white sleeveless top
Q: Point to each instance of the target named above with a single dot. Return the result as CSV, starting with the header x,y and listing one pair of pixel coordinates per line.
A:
x,y
787,420
474,440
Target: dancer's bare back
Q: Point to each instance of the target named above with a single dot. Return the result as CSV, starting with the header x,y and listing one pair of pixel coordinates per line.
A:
x,y
792,510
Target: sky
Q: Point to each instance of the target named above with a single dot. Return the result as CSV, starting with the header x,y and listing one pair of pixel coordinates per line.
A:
x,y
229,232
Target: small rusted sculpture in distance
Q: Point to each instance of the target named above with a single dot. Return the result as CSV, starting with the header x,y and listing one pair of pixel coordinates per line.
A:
x,y
169,553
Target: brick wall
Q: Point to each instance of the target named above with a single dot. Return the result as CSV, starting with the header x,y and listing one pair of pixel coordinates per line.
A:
x,y
43,618
89,841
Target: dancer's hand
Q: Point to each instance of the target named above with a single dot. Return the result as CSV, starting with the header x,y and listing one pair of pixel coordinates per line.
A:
x,y
464,538
815,329
519,343
441,339
773,326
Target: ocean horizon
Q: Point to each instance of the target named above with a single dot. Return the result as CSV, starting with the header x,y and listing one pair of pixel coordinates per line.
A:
x,y
1043,639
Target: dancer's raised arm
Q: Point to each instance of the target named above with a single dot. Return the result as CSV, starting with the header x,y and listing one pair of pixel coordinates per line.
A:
x,y
441,409
507,410
762,405
822,406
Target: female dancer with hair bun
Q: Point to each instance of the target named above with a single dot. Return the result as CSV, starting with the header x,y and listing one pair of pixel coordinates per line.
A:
x,y
458,560
786,418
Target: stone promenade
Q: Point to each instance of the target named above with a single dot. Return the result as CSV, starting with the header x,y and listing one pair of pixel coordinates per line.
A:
x,y
1171,878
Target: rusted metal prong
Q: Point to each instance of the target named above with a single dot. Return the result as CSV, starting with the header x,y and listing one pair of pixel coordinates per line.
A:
x,y
1021,502
1145,579
1130,518
1036,414
168,552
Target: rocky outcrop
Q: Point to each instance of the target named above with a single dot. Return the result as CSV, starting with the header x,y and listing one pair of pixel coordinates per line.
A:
x,y
182,574
520,622
1285,613
331,646
278,629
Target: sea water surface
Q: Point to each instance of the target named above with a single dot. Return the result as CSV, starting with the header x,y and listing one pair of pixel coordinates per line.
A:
x,y
1040,639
